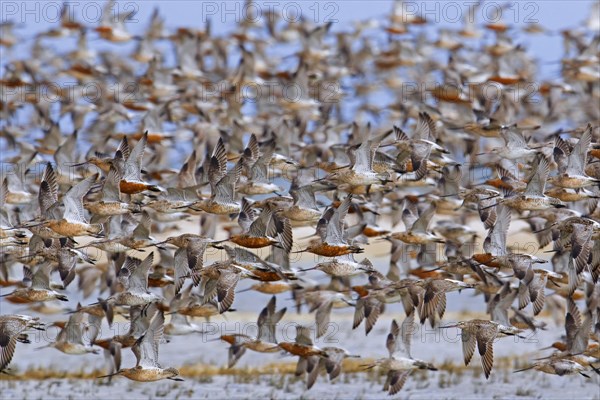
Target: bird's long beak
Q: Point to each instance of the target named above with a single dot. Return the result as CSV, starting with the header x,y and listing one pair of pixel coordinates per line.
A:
x,y
156,244
80,164
109,375
448,195
449,326
544,229
490,206
524,369
490,197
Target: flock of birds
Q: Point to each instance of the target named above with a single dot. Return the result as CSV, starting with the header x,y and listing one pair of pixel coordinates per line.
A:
x,y
86,182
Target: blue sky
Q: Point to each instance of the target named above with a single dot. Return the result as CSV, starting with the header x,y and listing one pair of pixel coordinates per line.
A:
x,y
33,17
36,16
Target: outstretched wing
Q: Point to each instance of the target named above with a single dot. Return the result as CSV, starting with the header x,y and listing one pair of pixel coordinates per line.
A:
x,y
335,227
150,341
578,157
133,163
74,199
537,182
